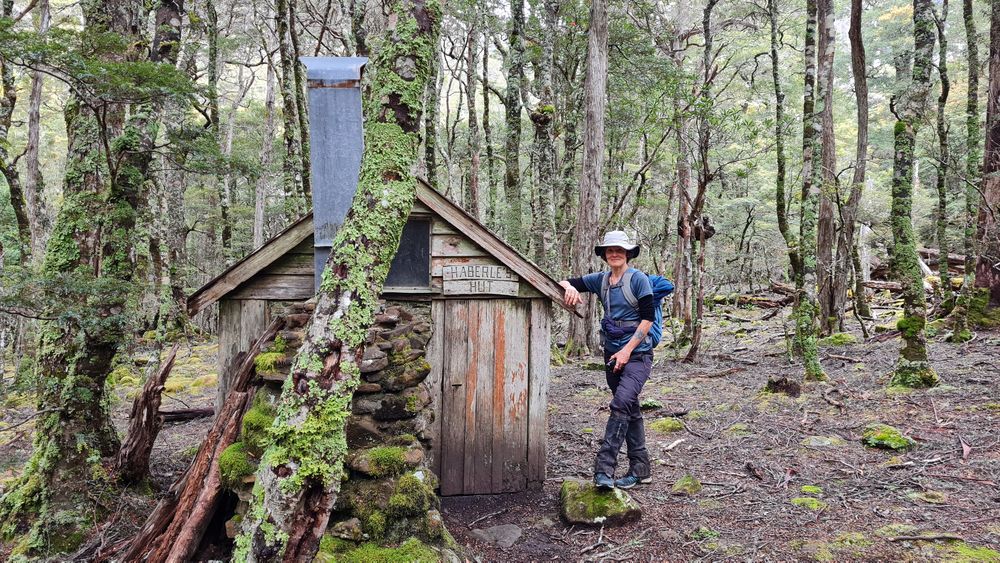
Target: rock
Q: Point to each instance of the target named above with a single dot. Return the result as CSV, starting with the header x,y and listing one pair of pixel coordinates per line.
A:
x,y
414,455
368,388
583,504
687,485
376,362
435,524
886,437
361,431
784,385
348,530
822,441
504,535
233,526
671,536
412,373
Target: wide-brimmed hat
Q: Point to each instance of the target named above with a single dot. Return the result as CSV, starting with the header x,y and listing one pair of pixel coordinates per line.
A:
x,y
619,239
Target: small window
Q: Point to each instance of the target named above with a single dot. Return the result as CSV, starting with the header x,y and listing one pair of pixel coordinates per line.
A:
x,y
411,267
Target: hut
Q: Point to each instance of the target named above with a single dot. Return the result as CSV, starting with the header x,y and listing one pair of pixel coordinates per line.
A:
x,y
461,350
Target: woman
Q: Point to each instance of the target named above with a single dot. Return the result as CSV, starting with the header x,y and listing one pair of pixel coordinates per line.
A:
x,y
628,355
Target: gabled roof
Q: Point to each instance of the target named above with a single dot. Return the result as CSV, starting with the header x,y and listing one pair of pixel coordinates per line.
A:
x,y
297,232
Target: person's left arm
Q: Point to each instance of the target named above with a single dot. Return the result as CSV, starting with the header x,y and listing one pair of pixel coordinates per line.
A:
x,y
646,316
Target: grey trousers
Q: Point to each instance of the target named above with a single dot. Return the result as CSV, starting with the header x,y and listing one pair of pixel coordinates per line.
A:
x,y
625,423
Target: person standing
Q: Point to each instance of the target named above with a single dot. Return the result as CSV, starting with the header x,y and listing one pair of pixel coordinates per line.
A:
x,y
627,299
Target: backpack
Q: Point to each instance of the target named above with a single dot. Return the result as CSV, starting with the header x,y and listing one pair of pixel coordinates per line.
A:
x,y
662,287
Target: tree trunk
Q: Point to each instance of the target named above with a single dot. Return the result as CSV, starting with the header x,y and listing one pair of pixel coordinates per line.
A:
x,y
301,107
512,146
291,182
96,227
581,332
831,313
491,178
944,155
807,305
545,148
299,477
682,259
912,368
988,235
780,199
973,160
8,168
847,252
225,146
431,122
266,155
471,60
34,184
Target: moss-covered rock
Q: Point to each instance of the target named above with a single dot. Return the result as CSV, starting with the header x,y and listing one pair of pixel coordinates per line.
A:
x,y
412,551
666,425
886,437
650,404
414,495
235,464
838,339
687,485
810,503
267,363
256,423
582,503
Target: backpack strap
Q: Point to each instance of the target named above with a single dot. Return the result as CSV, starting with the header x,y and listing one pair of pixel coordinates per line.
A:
x,y
626,286
627,292
606,294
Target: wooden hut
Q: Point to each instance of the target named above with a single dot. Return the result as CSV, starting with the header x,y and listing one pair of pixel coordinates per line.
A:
x,y
489,351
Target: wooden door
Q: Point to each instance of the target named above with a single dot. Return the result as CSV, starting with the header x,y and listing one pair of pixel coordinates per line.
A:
x,y
484,396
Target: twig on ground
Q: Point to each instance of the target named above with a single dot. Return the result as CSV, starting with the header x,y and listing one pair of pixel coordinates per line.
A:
x,y
929,537
832,401
595,545
488,516
675,443
842,357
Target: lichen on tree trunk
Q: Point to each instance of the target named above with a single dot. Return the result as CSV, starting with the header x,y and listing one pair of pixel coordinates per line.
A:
x,y
300,472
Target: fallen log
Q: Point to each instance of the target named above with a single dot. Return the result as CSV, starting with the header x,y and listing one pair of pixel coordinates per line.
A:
x,y
181,415
932,256
132,463
876,284
175,527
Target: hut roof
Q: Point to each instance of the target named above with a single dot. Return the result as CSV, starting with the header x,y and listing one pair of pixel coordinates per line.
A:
x,y
300,230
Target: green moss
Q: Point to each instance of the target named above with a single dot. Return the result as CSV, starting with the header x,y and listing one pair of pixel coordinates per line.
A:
x,y
583,503
838,339
387,460
414,494
962,552
279,345
254,432
809,503
886,437
703,533
666,425
739,430
375,524
916,374
896,529
234,465
267,362
930,497
687,485
402,440
410,551
980,312
650,403
209,380
812,490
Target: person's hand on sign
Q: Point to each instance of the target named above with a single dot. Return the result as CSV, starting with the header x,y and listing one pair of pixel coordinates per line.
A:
x,y
571,297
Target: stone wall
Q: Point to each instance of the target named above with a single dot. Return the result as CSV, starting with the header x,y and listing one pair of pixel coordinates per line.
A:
x,y
389,494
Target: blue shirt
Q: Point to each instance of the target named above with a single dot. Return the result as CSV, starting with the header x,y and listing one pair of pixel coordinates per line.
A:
x,y
619,307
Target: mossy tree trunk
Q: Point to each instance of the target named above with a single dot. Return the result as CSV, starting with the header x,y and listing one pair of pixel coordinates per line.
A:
x,y
806,303
543,119
973,160
90,257
8,166
300,473
471,198
910,107
831,291
944,155
780,198
512,227
988,234
292,182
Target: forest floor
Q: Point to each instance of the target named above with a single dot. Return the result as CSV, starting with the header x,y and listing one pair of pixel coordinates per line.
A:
x,y
754,453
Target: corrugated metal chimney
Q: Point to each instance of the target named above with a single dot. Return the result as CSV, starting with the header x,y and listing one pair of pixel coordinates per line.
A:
x,y
336,144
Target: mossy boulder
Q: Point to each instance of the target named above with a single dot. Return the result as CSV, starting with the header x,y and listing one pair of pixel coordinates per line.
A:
x,y
235,464
267,363
687,485
886,437
583,503
838,339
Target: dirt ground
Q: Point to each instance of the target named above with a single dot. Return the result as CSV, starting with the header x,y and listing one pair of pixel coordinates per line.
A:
x,y
751,451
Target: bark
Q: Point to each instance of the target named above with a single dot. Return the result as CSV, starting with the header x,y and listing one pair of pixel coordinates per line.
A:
x,y
831,314
780,199
846,249
225,146
291,179
807,304
472,181
543,117
301,107
491,177
300,474
988,234
132,463
910,106
431,123
682,260
944,154
581,332
103,196
8,165
512,145
34,185
973,160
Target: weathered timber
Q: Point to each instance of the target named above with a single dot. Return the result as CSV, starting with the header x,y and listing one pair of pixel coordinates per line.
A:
x,y
174,528
132,463
277,288
538,384
181,415
434,381
933,256
453,404
876,284
240,322
455,245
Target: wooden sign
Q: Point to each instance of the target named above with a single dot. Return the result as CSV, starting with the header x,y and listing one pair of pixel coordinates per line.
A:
x,y
464,279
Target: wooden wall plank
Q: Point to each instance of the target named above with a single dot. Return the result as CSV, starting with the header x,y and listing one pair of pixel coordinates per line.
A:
x,y
454,245
240,325
485,406
455,352
277,287
471,404
293,264
441,227
515,414
499,374
434,381
538,385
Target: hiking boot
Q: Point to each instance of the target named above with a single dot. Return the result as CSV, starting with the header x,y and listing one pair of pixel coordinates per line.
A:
x,y
604,482
629,481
